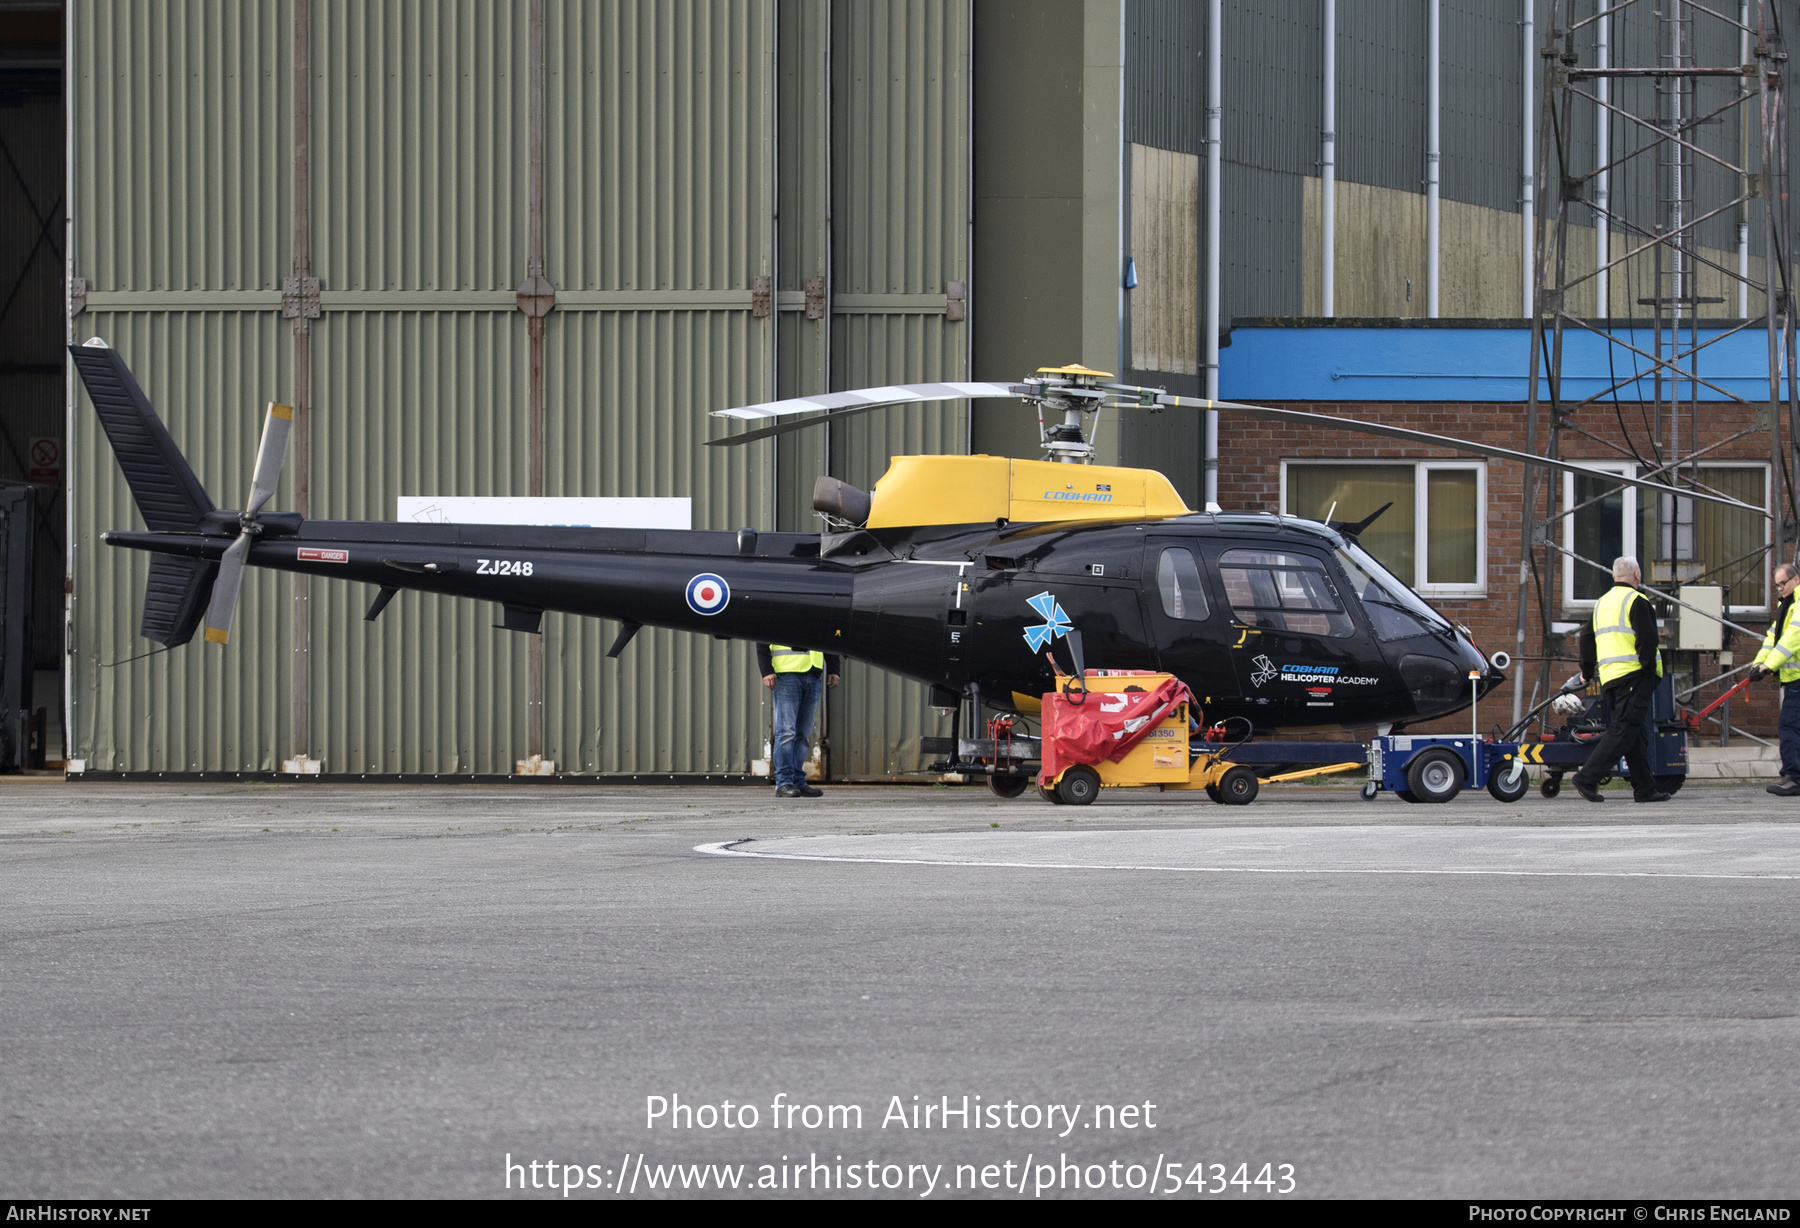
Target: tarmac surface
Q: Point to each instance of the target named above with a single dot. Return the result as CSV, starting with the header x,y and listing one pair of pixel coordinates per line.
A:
x,y
391,991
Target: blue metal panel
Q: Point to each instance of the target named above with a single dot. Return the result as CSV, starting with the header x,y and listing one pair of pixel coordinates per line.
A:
x,y
1450,364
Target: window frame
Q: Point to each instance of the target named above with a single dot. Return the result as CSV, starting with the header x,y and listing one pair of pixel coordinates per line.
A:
x,y
1633,518
1627,537
1422,470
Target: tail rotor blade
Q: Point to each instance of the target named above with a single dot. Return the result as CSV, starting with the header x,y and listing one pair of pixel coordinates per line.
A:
x,y
271,454
225,591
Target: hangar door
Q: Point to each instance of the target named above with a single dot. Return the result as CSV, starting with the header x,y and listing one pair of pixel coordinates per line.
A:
x,y
496,249
485,249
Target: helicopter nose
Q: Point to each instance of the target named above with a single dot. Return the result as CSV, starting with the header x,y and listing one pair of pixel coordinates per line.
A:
x,y
1492,669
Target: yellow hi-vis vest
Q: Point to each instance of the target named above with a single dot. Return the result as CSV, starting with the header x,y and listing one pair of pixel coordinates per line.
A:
x,y
787,660
1615,644
1781,654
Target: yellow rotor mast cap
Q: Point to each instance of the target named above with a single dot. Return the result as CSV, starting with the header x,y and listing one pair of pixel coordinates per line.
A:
x,y
1077,371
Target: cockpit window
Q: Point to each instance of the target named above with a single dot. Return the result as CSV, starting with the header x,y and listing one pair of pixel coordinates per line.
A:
x,y
1178,579
1283,592
1395,611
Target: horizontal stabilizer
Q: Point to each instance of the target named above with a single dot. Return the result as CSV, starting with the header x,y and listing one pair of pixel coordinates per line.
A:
x,y
168,495
175,598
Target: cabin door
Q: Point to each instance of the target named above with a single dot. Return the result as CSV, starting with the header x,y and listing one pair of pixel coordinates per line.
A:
x,y
1190,628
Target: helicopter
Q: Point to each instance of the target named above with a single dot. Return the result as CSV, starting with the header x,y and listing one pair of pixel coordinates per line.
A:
x,y
968,573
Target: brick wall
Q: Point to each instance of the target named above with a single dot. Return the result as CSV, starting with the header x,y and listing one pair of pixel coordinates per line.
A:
x,y
1251,453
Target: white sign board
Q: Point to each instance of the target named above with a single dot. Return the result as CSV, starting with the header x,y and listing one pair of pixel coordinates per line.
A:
x,y
572,513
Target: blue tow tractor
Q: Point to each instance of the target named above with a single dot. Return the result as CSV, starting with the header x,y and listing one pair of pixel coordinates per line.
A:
x,y
1436,767
1421,768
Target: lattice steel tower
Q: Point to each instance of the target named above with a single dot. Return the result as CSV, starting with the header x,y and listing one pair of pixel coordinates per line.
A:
x,y
1685,135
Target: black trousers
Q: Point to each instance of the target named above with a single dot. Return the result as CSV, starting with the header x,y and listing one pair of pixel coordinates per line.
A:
x,y
1628,737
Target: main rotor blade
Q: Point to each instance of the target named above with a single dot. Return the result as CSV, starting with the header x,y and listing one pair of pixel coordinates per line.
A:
x,y
789,427
271,454
1326,422
225,590
870,398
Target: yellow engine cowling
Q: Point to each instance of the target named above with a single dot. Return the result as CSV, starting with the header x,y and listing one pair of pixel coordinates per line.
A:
x,y
920,490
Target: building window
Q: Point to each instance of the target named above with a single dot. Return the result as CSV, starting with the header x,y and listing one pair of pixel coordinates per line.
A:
x,y
1434,537
1723,546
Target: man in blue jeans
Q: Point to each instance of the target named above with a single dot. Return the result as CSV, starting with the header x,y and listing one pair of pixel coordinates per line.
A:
x,y
794,675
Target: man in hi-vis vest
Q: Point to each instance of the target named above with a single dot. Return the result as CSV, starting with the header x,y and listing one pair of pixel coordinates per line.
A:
x,y
794,675
1780,656
1622,654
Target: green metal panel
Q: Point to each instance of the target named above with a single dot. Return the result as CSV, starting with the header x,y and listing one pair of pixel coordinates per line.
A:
x,y
419,149
803,43
179,116
660,155
663,172
658,215
183,144
900,78
183,710
629,393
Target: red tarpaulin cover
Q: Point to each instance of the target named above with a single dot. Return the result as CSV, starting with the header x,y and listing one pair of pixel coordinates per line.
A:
x,y
1103,725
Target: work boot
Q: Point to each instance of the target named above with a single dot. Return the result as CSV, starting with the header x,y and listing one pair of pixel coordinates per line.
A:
x,y
808,791
787,791
1589,792
1787,786
1654,797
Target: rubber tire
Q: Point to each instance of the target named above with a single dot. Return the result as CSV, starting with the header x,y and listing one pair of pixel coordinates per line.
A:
x,y
1369,791
1497,787
1550,786
1238,786
1406,795
1007,786
1049,795
1435,775
1212,791
1079,786
1670,784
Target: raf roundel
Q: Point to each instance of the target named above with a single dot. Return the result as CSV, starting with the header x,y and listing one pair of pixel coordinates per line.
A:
x,y
708,594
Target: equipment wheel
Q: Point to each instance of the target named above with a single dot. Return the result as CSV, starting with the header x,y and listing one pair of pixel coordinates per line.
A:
x,y
1238,786
1504,786
1436,775
1369,791
1671,783
1212,791
1551,785
1049,795
1007,786
1078,786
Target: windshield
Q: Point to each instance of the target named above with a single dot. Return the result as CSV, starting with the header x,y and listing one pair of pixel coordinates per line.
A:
x,y
1395,611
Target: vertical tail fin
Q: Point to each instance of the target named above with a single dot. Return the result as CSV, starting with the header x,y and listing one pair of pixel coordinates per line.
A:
x,y
168,495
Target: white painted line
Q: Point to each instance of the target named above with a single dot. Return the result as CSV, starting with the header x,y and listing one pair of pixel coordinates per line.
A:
x,y
1735,852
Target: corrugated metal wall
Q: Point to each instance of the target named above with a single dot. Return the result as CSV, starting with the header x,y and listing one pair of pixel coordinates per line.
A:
x,y
1272,112
900,238
663,125
182,231
419,125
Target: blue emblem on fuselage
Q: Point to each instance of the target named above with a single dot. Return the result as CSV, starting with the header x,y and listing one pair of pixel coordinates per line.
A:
x,y
1056,623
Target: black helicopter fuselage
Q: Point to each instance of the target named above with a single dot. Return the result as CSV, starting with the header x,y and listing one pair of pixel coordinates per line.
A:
x,y
1282,622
